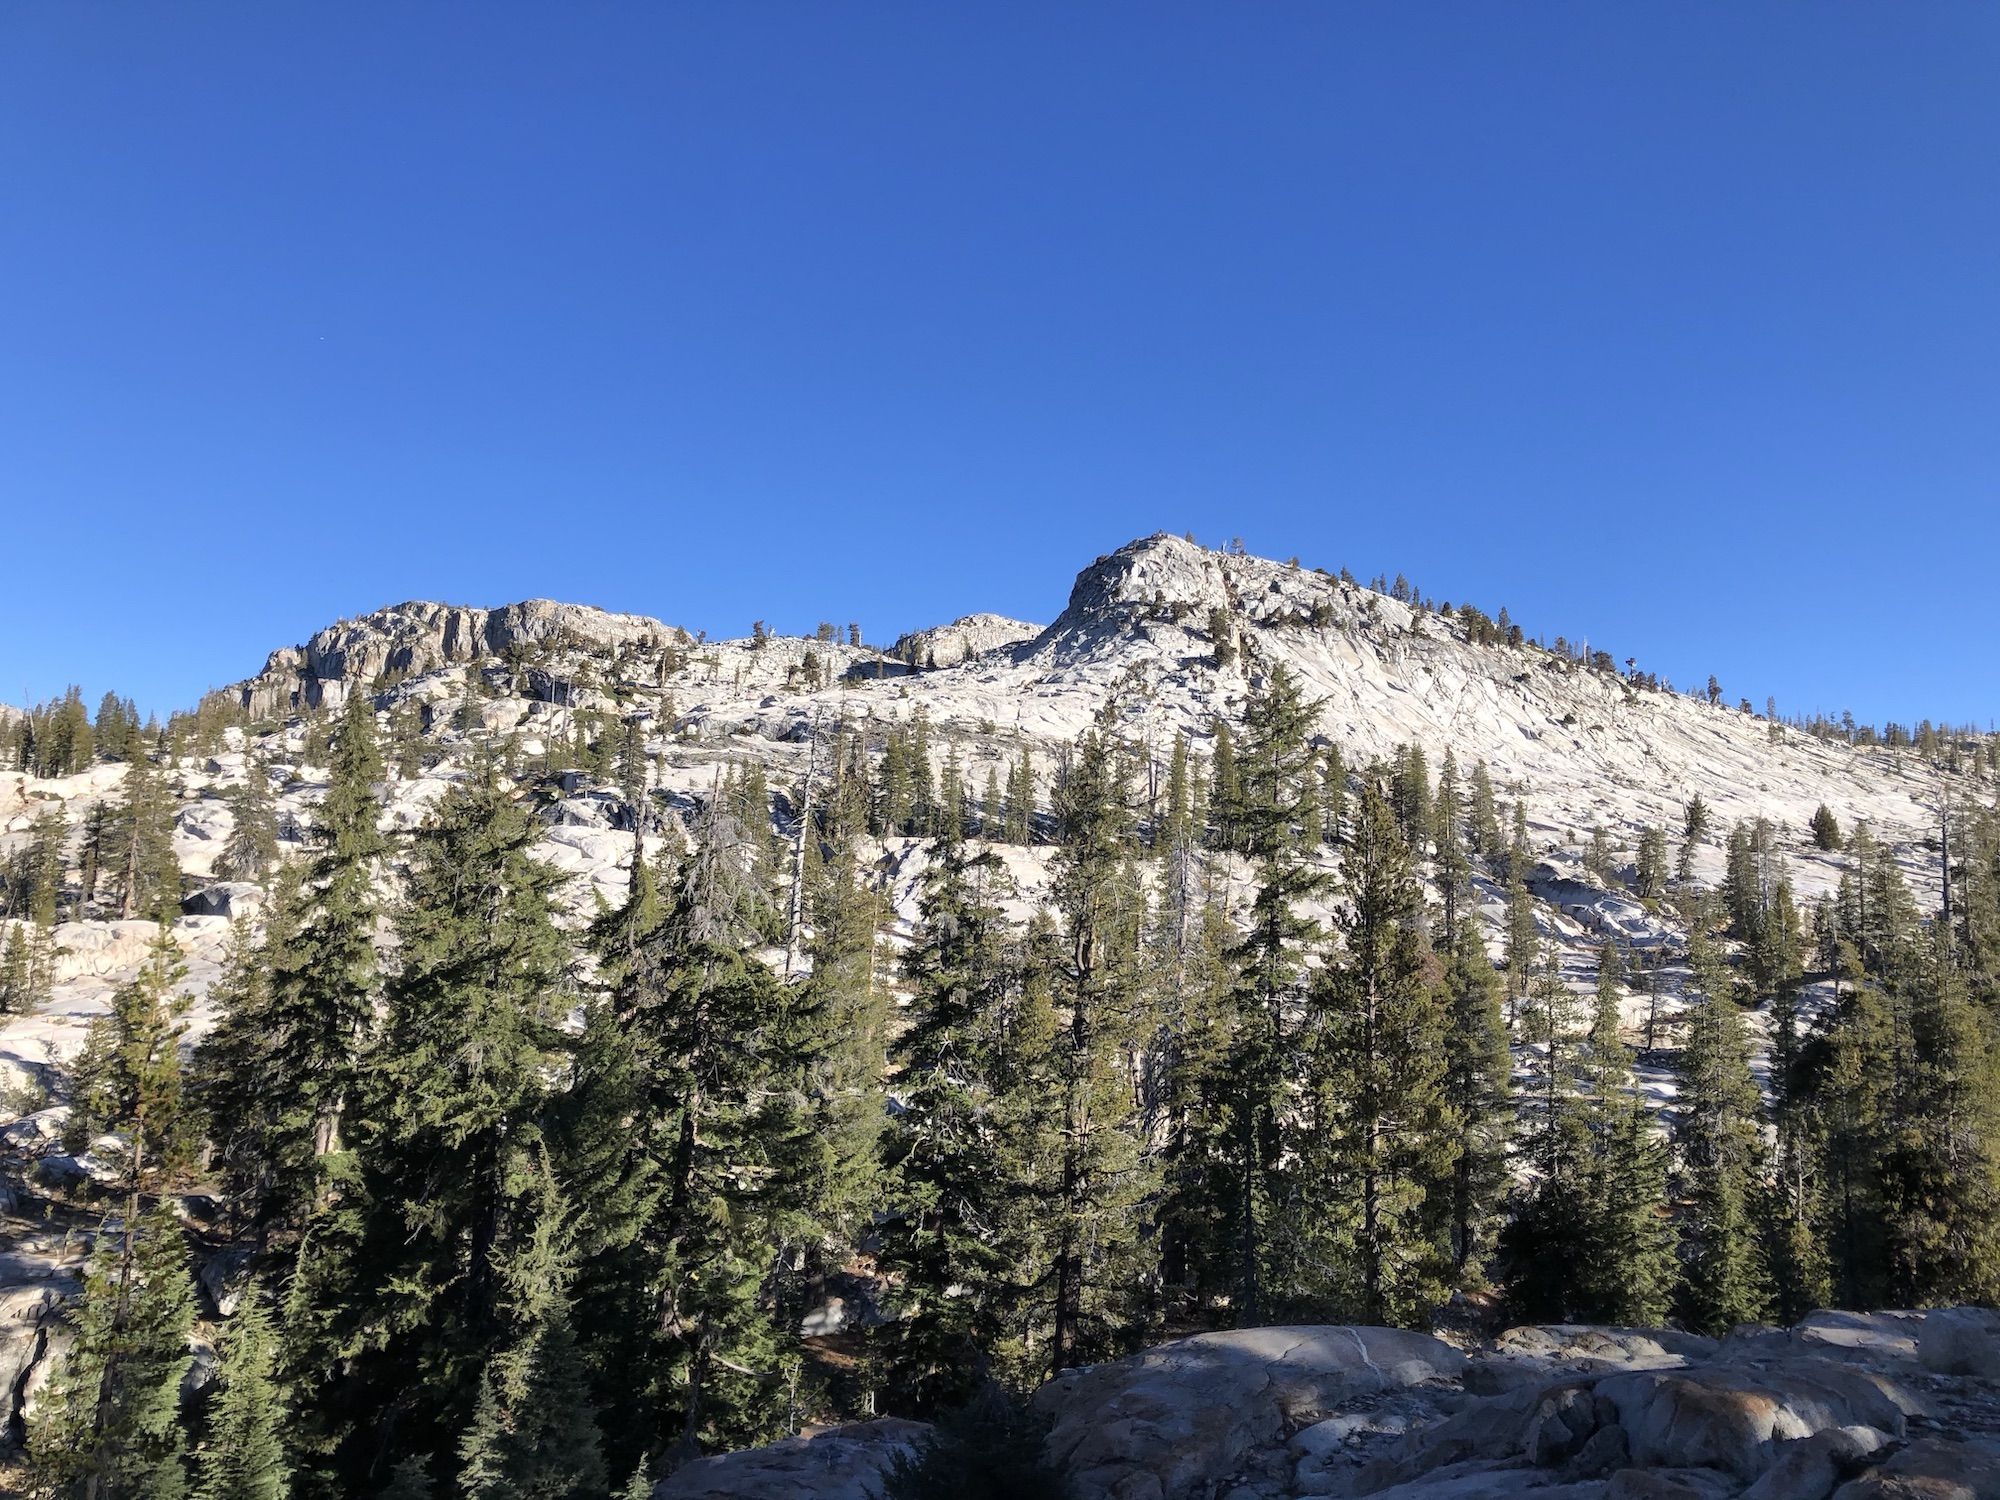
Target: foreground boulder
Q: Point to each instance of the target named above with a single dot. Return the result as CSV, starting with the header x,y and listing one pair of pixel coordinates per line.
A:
x,y
1842,1406
1788,1428
1176,1421
841,1463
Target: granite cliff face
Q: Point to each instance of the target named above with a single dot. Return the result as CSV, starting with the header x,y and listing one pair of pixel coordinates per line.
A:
x,y
409,640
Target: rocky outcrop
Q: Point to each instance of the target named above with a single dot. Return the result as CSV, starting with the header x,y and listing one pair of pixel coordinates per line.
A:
x,y
1846,1405
406,640
961,640
841,1463
1171,1423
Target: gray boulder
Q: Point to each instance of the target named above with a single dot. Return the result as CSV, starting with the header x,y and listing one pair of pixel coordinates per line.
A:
x,y
1175,1421
1728,1419
1812,1468
841,1463
1731,1419
1931,1469
1961,1341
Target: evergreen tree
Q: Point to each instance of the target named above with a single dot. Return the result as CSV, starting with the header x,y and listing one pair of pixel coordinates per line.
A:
x,y
1477,1089
1275,821
842,1021
612,1170
126,1079
1597,854
34,878
1524,939
301,1026
144,871
1940,1179
1793,1250
1483,826
1197,1093
235,1059
1627,1272
1719,1146
1379,1137
949,1184
109,1427
1333,795
409,1480
720,1056
1410,794
533,1433
1649,874
992,810
1100,1178
1225,790
1592,1242
18,990
412,1302
252,850
406,738
1187,1078
1850,1094
98,853
116,728
244,1458
1020,800
1454,857
1694,827
923,790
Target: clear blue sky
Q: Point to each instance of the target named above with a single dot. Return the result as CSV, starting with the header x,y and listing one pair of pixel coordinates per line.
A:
x,y
1672,325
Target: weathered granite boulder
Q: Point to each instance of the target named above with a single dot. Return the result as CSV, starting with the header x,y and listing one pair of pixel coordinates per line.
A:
x,y
1961,1341
841,1463
1839,1407
1811,1468
1732,1420
1170,1423
1932,1469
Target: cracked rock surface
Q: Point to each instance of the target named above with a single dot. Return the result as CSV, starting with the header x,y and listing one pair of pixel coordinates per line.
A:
x,y
1845,1406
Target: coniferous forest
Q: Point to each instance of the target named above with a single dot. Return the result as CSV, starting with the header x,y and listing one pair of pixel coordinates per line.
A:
x,y
1239,1029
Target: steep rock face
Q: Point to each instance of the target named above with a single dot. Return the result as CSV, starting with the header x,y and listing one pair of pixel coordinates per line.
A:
x,y
416,637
